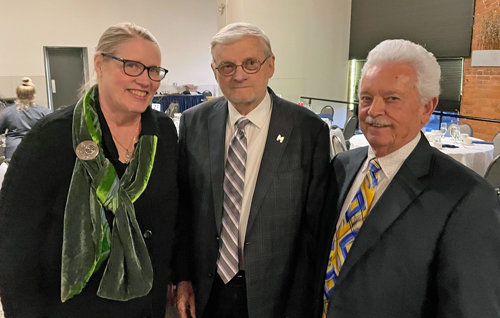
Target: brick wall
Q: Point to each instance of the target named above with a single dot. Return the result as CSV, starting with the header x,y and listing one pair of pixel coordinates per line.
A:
x,y
481,86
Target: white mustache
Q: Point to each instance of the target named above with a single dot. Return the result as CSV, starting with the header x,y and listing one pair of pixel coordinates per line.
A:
x,y
377,122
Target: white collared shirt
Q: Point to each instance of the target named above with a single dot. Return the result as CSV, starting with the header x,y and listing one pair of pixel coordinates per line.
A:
x,y
256,133
389,164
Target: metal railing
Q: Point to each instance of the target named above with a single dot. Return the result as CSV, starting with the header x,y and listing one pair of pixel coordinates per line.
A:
x,y
326,100
438,112
445,114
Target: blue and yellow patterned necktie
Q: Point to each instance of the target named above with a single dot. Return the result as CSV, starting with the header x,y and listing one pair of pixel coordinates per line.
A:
x,y
349,227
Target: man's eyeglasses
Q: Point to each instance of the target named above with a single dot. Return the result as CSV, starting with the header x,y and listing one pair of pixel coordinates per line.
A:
x,y
250,66
135,69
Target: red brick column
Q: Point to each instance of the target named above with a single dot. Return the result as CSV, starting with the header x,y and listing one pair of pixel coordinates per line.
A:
x,y
481,86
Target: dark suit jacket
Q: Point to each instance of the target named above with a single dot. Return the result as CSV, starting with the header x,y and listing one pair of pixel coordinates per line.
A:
x,y
285,209
32,204
430,247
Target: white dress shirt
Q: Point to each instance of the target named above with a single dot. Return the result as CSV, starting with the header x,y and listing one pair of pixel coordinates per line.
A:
x,y
389,164
256,133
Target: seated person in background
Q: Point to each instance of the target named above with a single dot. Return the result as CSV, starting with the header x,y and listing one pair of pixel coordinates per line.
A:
x,y
18,119
409,231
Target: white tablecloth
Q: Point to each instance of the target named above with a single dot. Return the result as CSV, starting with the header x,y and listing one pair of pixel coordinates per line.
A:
x,y
475,156
3,170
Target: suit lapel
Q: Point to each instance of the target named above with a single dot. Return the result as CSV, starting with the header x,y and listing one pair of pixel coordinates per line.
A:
x,y
280,125
397,198
217,140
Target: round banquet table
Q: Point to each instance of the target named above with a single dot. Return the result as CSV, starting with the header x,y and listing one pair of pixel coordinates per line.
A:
x,y
475,156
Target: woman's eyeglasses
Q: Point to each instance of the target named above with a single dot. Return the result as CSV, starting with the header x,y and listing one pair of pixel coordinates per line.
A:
x,y
135,69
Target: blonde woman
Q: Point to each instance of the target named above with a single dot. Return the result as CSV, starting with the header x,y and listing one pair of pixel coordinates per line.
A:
x,y
88,206
17,120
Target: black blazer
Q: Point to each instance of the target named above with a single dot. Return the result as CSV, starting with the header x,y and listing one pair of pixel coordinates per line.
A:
x,y
429,248
32,204
285,209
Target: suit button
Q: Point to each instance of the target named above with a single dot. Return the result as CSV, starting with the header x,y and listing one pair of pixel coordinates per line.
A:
x,y
147,234
210,274
217,238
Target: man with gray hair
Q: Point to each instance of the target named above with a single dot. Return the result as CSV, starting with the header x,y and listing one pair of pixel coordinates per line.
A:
x,y
254,171
408,231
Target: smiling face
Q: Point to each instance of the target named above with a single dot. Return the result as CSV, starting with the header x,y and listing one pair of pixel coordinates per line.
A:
x,y
119,92
390,112
244,91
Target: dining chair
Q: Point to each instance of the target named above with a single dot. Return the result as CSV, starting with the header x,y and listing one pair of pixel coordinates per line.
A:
x,y
338,143
173,108
492,174
465,127
337,146
350,127
496,145
327,110
328,117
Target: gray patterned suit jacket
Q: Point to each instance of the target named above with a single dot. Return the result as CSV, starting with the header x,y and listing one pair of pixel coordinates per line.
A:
x,y
285,211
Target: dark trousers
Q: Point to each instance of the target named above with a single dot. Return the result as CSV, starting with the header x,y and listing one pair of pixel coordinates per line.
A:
x,y
228,300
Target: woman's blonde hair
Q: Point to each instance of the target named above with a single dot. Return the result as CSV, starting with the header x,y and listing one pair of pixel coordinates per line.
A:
x,y
116,35
120,33
25,94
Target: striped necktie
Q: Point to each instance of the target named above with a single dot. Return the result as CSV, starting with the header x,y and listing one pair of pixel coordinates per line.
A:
x,y
348,228
234,183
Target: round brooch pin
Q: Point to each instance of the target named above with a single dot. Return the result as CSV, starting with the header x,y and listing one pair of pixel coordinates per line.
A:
x,y
87,150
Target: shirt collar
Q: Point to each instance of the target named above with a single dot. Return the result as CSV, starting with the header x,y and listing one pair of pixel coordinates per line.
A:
x,y
257,116
391,163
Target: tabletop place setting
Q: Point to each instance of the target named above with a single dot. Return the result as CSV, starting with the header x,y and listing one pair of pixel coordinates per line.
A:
x,y
455,139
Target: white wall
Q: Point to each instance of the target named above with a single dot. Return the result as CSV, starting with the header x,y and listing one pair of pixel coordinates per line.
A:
x,y
311,42
184,29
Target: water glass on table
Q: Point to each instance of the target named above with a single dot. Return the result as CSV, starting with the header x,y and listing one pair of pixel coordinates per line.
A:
x,y
436,138
444,126
455,133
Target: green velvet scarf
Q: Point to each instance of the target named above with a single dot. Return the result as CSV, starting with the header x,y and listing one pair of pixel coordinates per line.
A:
x,y
88,241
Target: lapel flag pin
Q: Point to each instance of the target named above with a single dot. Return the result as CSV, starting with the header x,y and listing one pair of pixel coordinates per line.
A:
x,y
280,138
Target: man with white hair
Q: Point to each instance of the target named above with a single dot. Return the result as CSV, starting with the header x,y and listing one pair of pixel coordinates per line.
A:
x,y
409,231
254,172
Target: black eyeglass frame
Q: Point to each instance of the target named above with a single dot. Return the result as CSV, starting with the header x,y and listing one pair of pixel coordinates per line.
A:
x,y
124,61
244,69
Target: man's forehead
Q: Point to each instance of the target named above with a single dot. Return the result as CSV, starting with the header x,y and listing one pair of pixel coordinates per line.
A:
x,y
244,48
390,73
391,68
